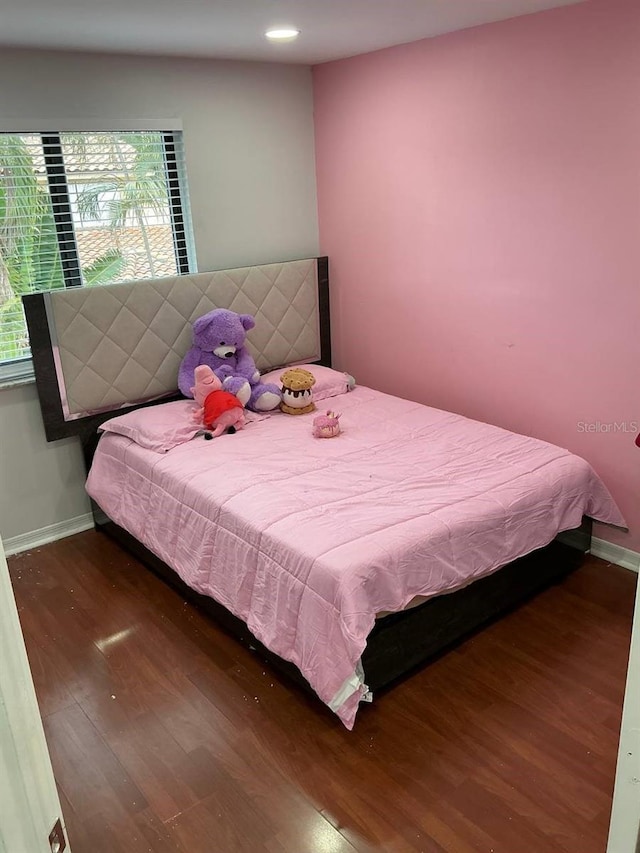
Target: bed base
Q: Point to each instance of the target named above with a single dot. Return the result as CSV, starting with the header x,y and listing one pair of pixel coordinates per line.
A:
x,y
401,643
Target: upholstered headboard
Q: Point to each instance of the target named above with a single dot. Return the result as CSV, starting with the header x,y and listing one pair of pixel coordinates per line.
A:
x,y
101,349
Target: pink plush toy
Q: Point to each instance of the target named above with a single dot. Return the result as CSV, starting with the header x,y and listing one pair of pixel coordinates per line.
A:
x,y
219,410
326,426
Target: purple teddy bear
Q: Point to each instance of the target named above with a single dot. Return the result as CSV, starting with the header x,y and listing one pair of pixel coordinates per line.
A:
x,y
218,341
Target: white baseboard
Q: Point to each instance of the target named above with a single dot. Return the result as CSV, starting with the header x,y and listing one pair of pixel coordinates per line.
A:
x,y
36,538
615,554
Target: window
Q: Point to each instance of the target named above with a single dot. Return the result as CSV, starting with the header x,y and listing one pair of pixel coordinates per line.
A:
x,y
84,209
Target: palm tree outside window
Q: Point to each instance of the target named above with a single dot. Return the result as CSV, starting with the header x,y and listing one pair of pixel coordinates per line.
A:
x,y
84,209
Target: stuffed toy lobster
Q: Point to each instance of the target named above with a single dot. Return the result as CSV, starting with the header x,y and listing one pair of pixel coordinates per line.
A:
x,y
219,410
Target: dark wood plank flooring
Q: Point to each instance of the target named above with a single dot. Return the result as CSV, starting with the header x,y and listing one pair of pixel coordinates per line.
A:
x,y
166,735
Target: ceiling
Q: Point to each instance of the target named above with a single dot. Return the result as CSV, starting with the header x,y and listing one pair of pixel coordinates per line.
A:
x,y
233,29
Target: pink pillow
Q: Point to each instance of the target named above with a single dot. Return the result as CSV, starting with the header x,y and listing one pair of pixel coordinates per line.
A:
x,y
159,427
329,382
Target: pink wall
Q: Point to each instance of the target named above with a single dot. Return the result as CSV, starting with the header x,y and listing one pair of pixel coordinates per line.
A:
x,y
479,199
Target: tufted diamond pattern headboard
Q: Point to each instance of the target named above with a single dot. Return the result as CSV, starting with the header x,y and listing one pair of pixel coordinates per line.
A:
x,y
121,344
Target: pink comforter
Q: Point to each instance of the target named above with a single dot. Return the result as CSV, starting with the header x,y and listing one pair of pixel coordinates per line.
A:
x,y
307,539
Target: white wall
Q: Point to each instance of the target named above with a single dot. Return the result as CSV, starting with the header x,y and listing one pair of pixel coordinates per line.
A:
x,y
248,133
42,484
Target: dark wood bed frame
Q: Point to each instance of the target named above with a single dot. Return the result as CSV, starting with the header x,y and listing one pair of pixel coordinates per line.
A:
x,y
399,643
402,643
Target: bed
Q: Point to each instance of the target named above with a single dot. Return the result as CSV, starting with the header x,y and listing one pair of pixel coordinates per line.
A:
x,y
348,562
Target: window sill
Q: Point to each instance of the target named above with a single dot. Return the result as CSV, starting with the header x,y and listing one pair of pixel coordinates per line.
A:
x,y
14,375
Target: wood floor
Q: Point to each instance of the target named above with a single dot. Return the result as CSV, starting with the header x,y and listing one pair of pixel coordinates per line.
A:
x,y
166,735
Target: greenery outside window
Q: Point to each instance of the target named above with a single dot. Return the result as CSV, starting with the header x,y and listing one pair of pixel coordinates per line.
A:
x,y
85,209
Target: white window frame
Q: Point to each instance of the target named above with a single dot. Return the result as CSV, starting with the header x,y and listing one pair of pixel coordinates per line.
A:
x,y
20,371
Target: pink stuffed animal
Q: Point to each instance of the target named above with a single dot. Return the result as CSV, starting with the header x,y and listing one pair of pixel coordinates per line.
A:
x,y
326,426
219,410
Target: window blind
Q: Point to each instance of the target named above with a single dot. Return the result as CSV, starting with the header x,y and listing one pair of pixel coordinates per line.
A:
x,y
84,209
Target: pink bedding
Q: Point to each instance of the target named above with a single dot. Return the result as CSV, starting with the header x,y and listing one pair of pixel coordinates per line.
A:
x,y
307,539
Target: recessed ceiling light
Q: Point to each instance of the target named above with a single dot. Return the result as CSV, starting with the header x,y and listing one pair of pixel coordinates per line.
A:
x,y
282,34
